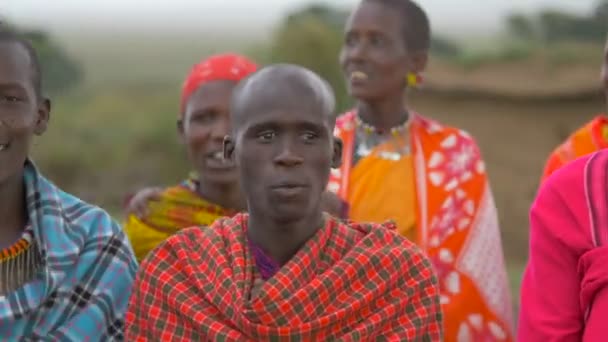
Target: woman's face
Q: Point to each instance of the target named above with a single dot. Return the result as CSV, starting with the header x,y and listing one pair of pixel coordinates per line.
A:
x,y
374,57
205,123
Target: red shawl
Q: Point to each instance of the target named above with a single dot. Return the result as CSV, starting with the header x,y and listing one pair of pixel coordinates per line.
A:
x,y
349,282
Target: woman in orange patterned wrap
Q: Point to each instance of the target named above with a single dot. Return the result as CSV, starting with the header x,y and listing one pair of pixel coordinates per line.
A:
x,y
427,177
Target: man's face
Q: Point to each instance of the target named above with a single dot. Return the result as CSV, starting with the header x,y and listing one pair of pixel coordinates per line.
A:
x,y
284,154
22,113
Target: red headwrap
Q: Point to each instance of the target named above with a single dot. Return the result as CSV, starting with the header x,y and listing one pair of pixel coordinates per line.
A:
x,y
224,67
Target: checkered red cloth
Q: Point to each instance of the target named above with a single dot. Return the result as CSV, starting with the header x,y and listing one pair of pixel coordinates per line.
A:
x,y
349,282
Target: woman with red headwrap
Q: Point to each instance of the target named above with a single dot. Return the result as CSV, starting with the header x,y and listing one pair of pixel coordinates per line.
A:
x,y
212,190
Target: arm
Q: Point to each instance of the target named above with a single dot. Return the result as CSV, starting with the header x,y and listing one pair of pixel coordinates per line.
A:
x,y
137,224
550,306
595,330
138,204
593,273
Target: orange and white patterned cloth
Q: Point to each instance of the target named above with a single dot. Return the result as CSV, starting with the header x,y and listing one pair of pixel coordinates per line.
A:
x,y
588,139
455,222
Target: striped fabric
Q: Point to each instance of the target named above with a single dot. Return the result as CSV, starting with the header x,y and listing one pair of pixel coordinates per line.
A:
x,y
82,290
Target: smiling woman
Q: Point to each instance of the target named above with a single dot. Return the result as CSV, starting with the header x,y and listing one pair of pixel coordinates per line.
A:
x,y
212,191
427,177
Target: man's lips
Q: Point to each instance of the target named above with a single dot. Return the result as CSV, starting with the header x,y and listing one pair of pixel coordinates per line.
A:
x,y
288,189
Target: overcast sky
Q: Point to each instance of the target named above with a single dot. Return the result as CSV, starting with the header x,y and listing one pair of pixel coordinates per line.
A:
x,y
460,17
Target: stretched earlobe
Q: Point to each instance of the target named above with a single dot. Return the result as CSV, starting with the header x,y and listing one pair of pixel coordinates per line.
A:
x,y
228,148
44,114
336,160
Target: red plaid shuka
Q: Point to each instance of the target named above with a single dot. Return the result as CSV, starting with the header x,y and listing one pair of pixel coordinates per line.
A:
x,y
352,282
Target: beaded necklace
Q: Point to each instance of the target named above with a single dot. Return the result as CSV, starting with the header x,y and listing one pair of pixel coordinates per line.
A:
x,y
395,145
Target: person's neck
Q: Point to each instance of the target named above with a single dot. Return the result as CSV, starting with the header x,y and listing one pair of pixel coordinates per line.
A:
x,y
12,209
282,240
384,114
224,195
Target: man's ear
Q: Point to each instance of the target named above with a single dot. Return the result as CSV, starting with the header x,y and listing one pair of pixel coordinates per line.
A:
x,y
336,158
44,114
228,148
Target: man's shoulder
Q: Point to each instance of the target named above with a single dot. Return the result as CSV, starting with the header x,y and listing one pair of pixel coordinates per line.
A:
x,y
383,239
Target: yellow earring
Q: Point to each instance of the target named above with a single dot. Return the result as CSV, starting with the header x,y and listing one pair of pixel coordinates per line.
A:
x,y
413,79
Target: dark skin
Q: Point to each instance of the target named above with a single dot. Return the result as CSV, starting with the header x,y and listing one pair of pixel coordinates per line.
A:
x,y
205,123
23,115
284,149
202,129
375,60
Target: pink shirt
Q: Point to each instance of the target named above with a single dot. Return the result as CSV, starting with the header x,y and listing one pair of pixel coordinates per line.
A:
x,y
564,294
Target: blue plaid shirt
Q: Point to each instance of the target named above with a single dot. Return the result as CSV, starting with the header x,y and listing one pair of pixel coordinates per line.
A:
x,y
83,288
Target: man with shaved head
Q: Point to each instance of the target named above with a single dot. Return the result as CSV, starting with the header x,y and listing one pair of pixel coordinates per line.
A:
x,y
286,270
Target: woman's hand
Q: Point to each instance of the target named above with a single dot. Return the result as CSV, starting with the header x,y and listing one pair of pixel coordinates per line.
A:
x,y
138,204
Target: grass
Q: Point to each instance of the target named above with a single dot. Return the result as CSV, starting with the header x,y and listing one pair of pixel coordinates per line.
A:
x,y
105,142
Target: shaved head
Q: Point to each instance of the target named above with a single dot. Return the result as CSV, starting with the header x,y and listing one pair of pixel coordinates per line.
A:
x,y
282,142
282,86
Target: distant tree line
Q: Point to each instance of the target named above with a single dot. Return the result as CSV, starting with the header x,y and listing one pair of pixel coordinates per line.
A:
x,y
552,26
312,37
60,72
